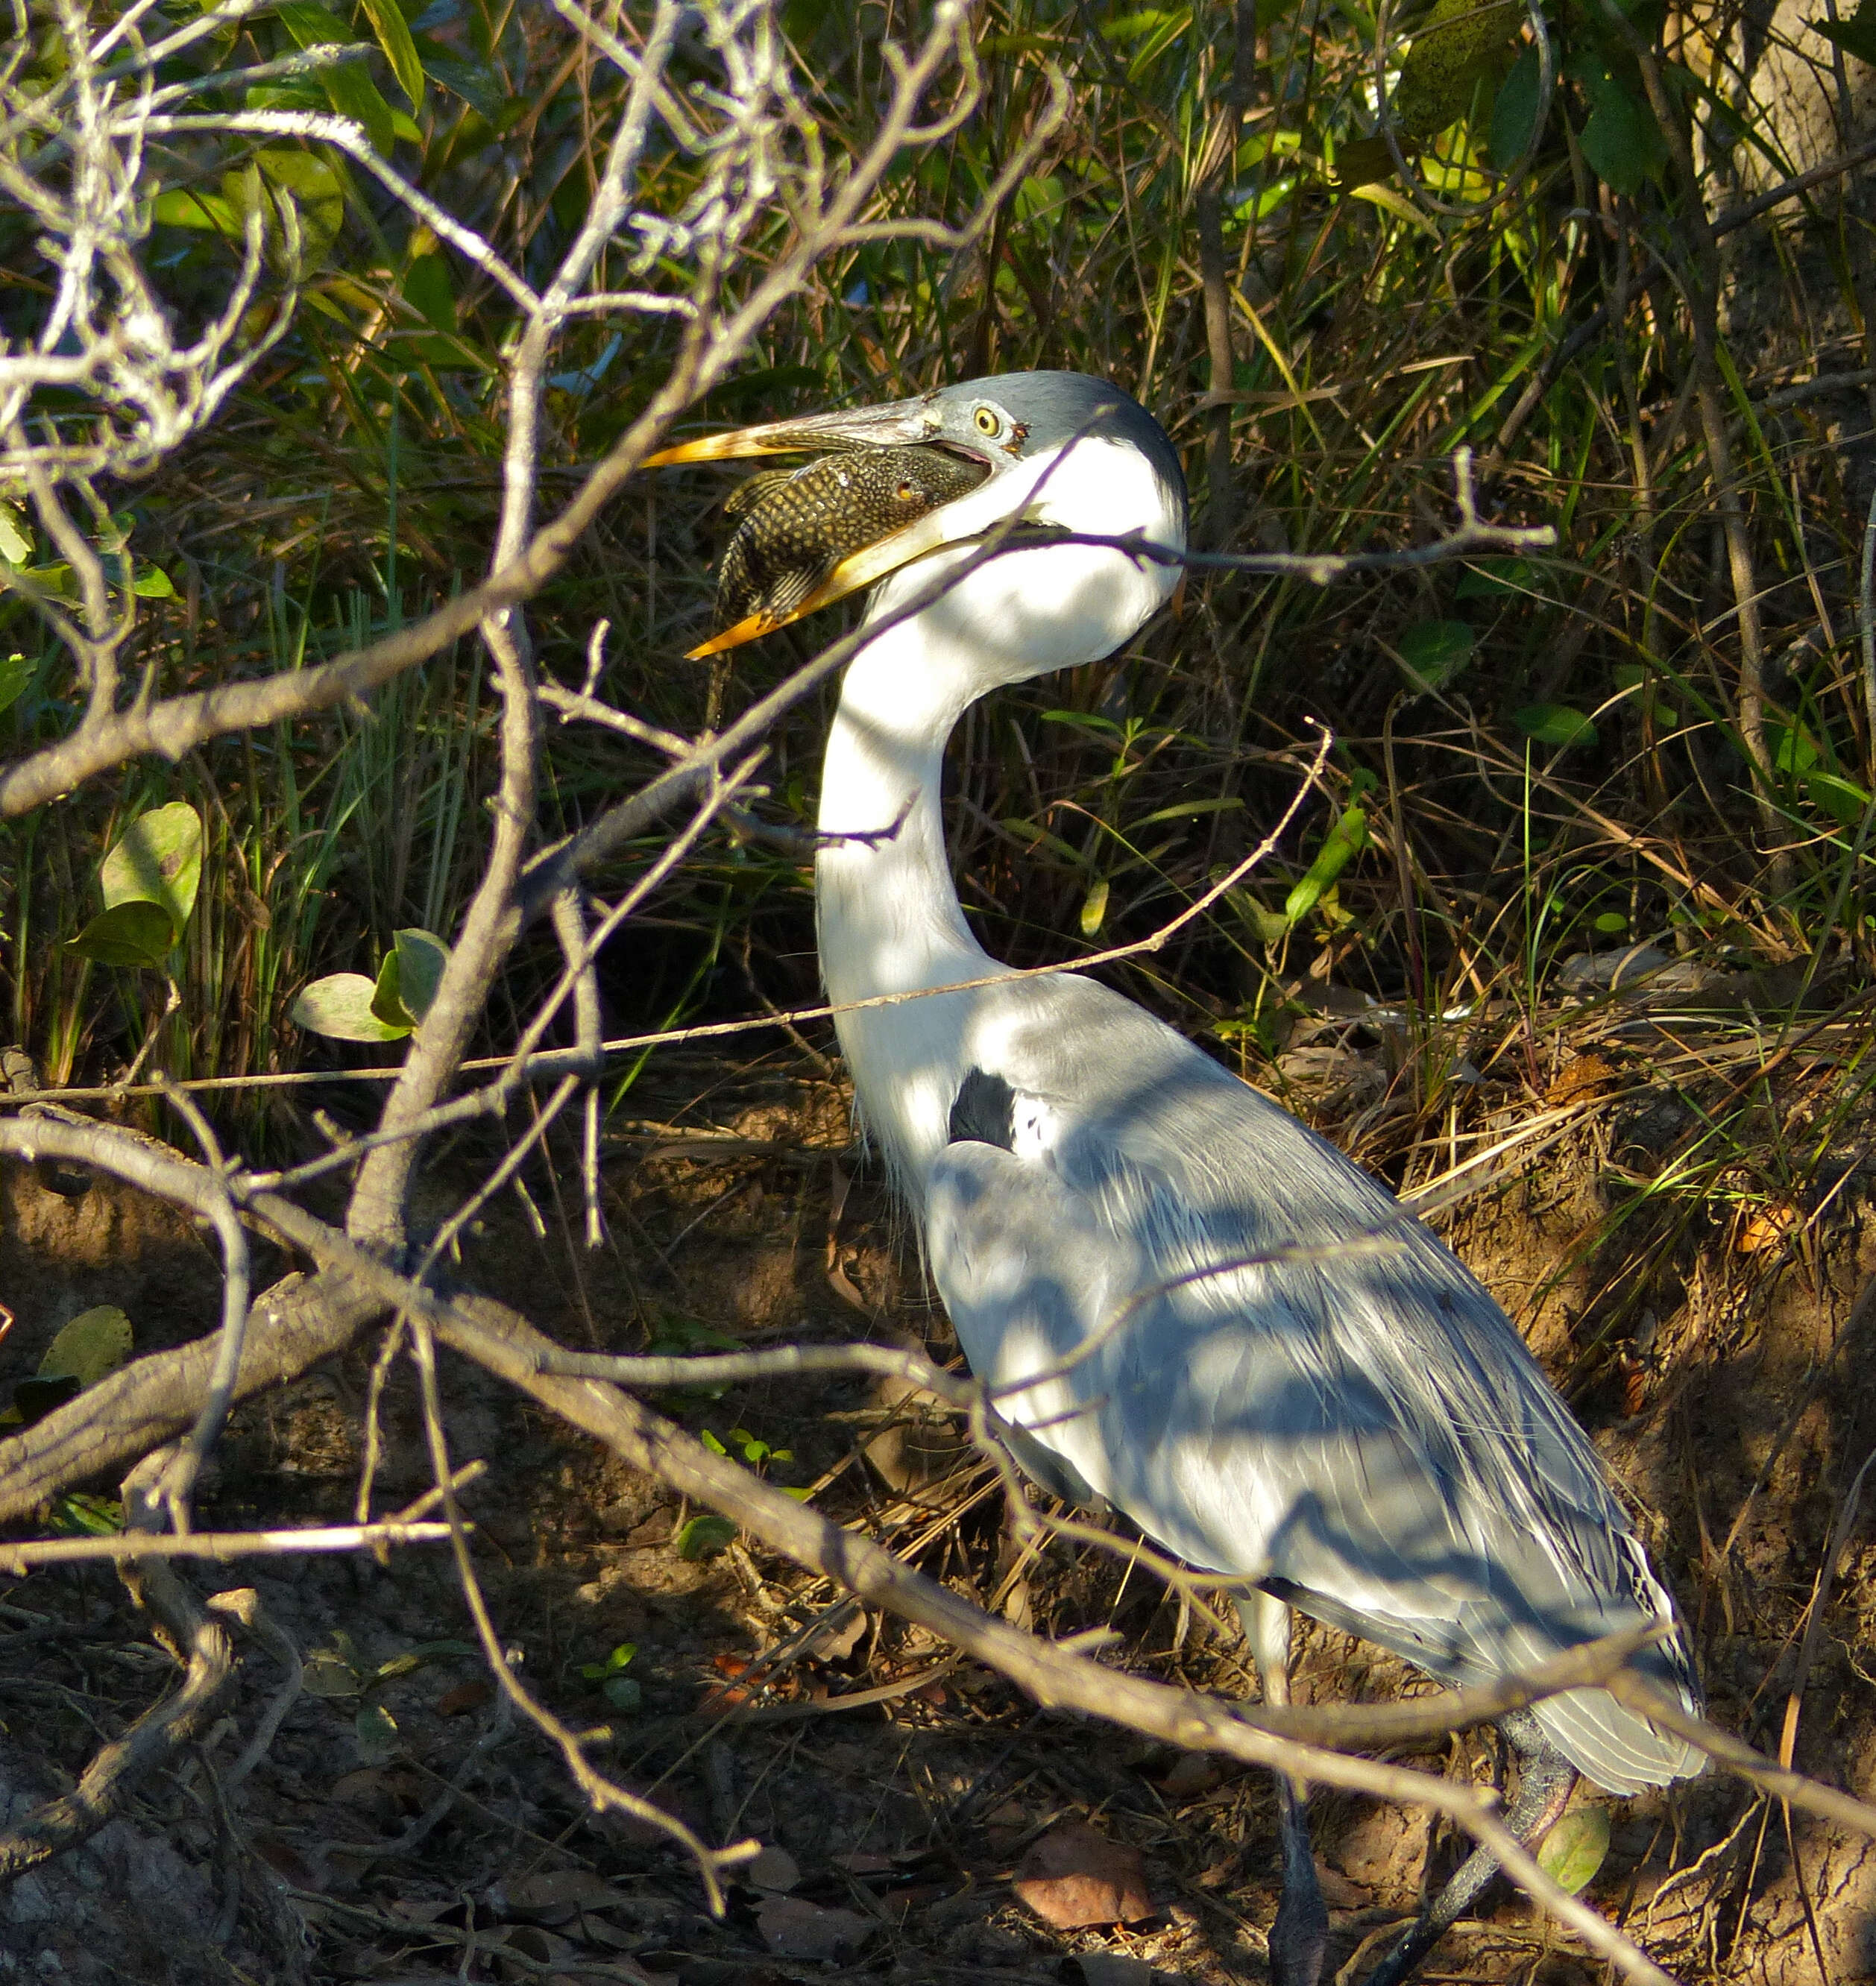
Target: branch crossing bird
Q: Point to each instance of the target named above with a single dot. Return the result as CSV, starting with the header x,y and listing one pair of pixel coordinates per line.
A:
x,y
1186,1301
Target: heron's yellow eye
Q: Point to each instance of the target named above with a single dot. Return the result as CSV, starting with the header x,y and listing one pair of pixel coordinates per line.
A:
x,y
987,423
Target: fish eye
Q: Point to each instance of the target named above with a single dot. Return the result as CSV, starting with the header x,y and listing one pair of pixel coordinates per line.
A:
x,y
989,423
905,492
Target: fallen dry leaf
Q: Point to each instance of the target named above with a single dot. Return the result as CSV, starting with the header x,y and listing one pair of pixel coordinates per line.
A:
x,y
466,1697
554,1895
1767,1230
1075,1875
1337,1892
774,1869
792,1928
1113,1968
1192,1773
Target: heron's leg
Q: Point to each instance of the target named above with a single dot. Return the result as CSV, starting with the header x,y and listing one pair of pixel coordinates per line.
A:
x,y
1299,1938
1546,1779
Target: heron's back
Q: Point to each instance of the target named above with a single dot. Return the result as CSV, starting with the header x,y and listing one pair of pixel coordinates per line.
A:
x,y
1281,1376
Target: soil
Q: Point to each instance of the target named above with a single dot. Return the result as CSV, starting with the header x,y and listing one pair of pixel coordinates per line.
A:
x,y
400,1826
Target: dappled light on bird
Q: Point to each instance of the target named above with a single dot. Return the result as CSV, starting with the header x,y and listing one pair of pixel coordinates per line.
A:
x,y
1173,1287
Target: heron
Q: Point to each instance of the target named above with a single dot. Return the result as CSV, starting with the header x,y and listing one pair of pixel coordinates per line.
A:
x,y
1170,1284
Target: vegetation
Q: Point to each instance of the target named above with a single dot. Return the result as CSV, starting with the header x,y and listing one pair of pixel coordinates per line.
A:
x,y
318,318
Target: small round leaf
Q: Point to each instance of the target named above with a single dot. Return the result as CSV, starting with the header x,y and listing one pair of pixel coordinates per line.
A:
x,y
158,859
135,933
340,1005
1554,723
704,1537
95,1343
1573,1848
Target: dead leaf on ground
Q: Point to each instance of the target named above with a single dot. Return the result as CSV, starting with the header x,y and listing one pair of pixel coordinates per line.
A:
x,y
1114,1968
774,1869
466,1697
792,1927
1075,1875
1193,1773
554,1896
1767,1230
1337,1892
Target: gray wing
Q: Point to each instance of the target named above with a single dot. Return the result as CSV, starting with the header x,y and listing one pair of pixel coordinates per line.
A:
x,y
1362,1433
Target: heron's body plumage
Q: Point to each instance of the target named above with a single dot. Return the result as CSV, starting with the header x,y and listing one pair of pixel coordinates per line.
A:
x,y
1182,1299
1359,1429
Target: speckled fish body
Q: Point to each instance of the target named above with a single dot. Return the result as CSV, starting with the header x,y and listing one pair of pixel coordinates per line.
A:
x,y
799,524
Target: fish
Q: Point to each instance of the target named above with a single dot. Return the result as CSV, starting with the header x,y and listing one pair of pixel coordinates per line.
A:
x,y
798,525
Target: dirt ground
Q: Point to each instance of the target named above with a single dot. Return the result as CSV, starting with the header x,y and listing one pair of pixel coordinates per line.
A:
x,y
399,1827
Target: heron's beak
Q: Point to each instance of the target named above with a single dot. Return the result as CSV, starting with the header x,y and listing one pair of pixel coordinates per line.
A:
x,y
897,425
903,423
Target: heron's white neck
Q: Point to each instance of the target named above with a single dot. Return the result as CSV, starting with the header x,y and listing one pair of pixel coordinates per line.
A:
x,y
888,911
890,920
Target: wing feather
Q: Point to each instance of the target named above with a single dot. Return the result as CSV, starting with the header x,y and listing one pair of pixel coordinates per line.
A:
x,y
1361,1430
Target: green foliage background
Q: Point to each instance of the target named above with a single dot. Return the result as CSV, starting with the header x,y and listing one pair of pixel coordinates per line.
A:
x,y
1533,758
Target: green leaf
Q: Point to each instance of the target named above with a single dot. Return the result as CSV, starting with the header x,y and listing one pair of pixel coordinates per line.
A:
x,y
1574,1849
1855,38
1346,840
305,174
1793,748
421,957
712,1443
376,1730
427,289
310,24
135,934
475,82
1554,723
622,1692
1621,140
341,1006
1367,161
15,540
1514,114
1844,802
704,1537
400,51
329,1672
153,583
77,1514
1453,49
95,1343
33,1399
1612,924
1094,911
191,209
1492,578
15,673
1435,652
158,859
353,94
349,88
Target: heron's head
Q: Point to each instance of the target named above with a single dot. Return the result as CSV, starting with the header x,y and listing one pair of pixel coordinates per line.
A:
x,y
1059,453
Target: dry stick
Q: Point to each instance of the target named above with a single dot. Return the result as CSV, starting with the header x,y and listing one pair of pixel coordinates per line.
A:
x,y
508,1346
19,1556
237,1291
173,727
499,1342
201,1643
603,1793
245,1604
